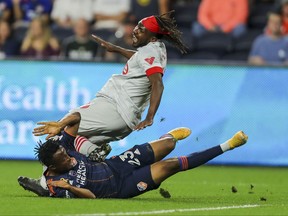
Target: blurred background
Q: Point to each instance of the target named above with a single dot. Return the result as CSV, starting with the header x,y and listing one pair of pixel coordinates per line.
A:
x,y
233,77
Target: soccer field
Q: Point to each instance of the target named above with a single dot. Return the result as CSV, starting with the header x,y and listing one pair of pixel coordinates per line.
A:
x,y
206,190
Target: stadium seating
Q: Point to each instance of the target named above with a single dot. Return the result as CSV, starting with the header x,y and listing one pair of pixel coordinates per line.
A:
x,y
242,45
217,43
215,46
218,46
20,33
186,12
201,55
258,14
62,33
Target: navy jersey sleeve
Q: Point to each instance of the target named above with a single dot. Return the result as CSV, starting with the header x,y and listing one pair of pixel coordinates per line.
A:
x,y
61,193
67,141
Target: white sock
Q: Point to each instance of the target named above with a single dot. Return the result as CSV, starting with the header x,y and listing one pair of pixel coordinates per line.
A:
x,y
225,146
83,145
165,136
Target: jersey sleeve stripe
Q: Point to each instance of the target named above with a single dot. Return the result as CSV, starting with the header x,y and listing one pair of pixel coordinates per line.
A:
x,y
154,70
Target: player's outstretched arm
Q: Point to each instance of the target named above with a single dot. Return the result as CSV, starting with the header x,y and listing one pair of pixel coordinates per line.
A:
x,y
113,48
70,123
157,88
79,192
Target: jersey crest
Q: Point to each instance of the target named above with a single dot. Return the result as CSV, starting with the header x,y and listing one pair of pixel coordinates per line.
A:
x,y
150,60
142,186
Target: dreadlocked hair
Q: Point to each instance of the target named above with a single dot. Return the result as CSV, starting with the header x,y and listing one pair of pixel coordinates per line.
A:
x,y
44,151
167,23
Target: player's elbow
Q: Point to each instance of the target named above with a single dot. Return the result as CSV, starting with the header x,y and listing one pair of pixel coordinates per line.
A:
x,y
76,117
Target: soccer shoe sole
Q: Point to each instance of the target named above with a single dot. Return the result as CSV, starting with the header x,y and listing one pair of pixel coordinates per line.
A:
x,y
33,186
100,153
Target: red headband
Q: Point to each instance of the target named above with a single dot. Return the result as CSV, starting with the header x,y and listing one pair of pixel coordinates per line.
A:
x,y
152,25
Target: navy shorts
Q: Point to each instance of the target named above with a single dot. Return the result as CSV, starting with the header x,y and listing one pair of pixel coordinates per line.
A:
x,y
133,171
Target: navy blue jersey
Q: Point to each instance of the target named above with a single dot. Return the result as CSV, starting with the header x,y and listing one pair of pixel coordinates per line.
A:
x,y
97,177
122,176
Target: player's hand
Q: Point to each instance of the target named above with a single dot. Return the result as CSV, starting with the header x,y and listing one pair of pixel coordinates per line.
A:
x,y
108,46
60,184
143,124
50,128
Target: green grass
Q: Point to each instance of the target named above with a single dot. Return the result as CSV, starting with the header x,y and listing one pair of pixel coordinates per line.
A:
x,y
204,187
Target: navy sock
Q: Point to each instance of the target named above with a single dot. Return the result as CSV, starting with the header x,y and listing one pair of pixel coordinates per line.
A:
x,y
198,158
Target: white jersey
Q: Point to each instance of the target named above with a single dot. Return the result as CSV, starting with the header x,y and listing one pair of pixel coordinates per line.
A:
x,y
131,90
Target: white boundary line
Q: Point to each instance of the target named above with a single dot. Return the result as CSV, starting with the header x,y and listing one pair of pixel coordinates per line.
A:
x,y
157,212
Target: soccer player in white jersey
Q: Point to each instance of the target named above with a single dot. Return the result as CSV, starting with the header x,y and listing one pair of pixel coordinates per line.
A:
x,y
117,108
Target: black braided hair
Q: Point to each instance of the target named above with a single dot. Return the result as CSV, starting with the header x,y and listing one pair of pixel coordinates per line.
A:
x,y
44,152
167,23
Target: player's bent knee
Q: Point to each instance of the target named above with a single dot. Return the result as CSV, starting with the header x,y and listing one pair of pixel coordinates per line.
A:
x,y
171,143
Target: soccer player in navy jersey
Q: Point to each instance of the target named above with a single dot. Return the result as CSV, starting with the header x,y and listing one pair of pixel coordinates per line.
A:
x,y
137,170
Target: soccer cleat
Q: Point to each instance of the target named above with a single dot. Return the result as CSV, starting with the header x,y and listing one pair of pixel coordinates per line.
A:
x,y
239,138
33,185
100,153
180,133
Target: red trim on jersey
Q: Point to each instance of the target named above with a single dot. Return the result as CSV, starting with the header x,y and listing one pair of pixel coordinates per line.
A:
x,y
154,70
84,106
125,70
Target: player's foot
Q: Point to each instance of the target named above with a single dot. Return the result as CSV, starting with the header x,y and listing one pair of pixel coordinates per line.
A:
x,y
100,153
32,185
180,133
239,138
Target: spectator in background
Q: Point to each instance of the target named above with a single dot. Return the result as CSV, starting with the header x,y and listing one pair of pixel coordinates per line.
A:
x,y
8,45
66,12
39,42
145,8
227,16
284,12
270,47
80,46
6,10
26,10
109,14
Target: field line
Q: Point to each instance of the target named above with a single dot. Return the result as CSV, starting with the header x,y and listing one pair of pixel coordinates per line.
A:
x,y
168,211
